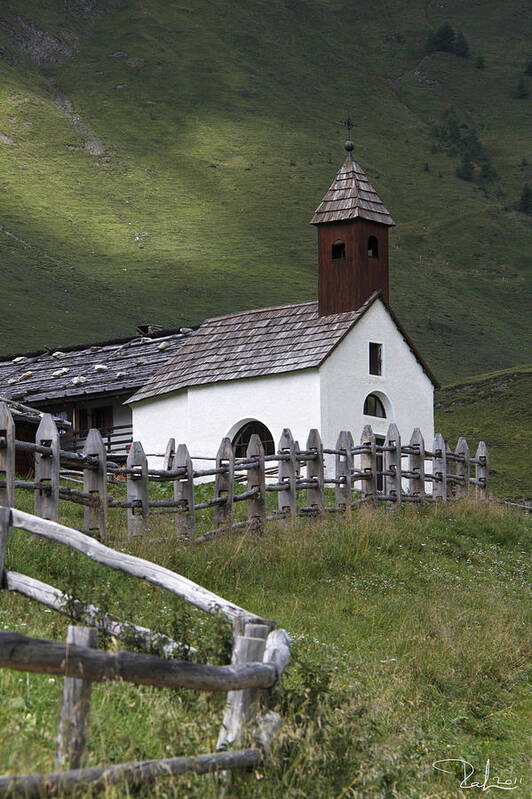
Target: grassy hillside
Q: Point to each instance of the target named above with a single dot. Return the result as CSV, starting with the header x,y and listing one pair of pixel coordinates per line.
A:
x,y
161,161
410,645
495,407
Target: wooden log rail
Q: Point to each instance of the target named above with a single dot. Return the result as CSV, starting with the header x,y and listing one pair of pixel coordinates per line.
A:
x,y
67,457
21,653
191,592
30,485
56,600
137,774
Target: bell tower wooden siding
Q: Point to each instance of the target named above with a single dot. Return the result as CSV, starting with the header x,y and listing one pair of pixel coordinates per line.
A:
x,y
345,283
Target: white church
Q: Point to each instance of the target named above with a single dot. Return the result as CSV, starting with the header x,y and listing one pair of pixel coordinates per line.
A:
x,y
338,363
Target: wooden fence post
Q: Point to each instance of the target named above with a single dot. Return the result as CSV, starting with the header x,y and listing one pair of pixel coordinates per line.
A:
x,y
315,496
95,483
462,469
416,464
481,471
368,463
256,479
242,705
75,706
439,468
47,470
137,489
7,456
223,485
169,455
184,492
298,462
344,469
5,519
287,498
393,464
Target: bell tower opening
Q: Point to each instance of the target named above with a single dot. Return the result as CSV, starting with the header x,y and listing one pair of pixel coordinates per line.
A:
x,y
353,225
338,250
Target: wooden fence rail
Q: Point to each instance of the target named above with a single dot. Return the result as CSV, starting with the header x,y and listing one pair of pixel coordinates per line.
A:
x,y
305,481
191,592
54,599
260,655
99,778
86,663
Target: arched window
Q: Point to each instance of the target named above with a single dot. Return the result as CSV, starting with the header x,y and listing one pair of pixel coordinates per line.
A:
x,y
338,249
373,406
373,247
242,436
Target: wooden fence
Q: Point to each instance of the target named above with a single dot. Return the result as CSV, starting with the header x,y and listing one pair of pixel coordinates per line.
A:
x,y
371,472
260,655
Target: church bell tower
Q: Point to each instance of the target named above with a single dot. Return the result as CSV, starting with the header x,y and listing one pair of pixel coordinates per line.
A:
x,y
352,224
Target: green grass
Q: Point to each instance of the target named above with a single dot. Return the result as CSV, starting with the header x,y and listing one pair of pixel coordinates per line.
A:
x,y
409,638
223,139
496,408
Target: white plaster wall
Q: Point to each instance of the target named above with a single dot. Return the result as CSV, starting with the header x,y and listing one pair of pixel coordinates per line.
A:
x,y
202,415
158,419
346,382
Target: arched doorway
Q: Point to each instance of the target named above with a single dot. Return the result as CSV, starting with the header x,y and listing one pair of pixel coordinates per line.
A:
x,y
240,439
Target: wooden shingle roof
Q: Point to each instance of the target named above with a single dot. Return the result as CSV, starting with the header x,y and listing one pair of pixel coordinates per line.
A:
x,y
350,196
260,342
264,341
106,368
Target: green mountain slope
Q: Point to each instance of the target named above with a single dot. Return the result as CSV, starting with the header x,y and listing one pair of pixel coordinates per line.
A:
x,y
161,161
495,407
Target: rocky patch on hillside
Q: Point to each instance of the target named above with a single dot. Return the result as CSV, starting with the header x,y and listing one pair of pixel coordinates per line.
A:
x,y
91,143
43,47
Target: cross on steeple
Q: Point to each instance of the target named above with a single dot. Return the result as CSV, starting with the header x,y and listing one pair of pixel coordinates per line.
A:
x,y
347,123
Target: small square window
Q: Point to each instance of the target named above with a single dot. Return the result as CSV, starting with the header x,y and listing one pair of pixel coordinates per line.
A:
x,y
375,358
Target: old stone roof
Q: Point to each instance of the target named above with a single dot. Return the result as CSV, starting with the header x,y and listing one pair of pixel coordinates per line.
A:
x,y
108,368
264,341
351,196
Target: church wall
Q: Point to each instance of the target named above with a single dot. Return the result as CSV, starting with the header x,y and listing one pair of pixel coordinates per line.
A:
x,y
203,415
278,401
158,419
346,382
331,398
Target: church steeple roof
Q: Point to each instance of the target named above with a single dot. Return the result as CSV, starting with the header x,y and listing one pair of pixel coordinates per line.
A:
x,y
350,196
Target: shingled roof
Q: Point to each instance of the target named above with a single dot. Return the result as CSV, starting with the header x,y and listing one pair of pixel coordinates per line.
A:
x,y
265,341
113,367
351,196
